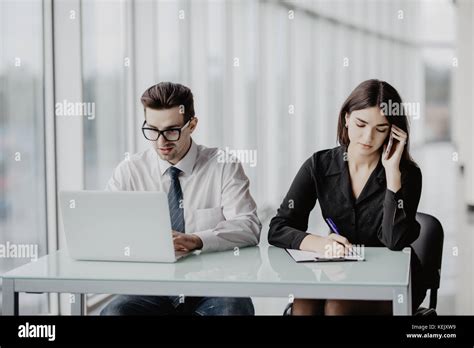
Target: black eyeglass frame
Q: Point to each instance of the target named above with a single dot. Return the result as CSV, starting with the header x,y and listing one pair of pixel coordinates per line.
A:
x,y
162,132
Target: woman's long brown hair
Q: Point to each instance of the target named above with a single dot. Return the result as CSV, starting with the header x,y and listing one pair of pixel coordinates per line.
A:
x,y
378,93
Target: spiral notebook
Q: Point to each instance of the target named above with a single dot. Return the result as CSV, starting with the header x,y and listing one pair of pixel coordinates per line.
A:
x,y
309,256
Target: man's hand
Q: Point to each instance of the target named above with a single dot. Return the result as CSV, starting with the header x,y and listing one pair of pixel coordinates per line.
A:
x,y
186,242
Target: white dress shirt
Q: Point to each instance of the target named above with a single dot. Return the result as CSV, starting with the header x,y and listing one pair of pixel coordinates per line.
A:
x,y
217,203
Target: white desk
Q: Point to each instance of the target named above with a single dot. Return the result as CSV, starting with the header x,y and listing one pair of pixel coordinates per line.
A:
x,y
257,271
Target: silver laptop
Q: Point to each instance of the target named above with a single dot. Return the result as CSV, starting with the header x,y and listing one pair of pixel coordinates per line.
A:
x,y
118,226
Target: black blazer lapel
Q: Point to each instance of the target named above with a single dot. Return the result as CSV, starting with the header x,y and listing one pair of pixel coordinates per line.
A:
x,y
375,183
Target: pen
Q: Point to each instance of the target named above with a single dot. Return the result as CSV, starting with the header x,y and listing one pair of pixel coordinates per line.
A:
x,y
333,226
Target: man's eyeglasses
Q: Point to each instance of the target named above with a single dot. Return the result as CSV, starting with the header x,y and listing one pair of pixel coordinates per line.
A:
x,y
172,134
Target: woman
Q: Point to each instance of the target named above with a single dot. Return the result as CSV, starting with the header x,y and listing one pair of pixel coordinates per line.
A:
x,y
371,194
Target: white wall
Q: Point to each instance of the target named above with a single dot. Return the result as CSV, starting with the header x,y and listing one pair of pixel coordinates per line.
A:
x,y
463,94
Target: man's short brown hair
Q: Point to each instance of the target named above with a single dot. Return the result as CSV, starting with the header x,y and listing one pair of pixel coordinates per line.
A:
x,y
167,95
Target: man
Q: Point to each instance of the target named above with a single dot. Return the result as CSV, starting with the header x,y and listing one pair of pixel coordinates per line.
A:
x,y
211,208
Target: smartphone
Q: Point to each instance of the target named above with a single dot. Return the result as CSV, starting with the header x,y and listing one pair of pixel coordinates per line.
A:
x,y
389,146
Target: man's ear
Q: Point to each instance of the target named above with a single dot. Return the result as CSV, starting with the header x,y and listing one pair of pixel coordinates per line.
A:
x,y
193,124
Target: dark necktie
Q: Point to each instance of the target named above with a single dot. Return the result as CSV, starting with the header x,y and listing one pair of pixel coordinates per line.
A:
x,y
175,201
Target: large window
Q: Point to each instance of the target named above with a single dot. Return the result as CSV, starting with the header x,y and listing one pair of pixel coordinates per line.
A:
x,y
271,76
22,146
106,61
267,76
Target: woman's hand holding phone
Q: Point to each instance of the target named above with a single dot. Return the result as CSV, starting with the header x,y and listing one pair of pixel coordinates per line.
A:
x,y
392,152
391,156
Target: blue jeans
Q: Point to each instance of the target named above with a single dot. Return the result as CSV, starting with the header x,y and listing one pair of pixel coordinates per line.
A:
x,y
174,305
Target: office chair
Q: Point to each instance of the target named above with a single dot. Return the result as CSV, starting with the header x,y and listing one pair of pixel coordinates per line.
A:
x,y
429,249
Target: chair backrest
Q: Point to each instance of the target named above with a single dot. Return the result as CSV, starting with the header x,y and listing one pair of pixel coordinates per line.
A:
x,y
429,248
